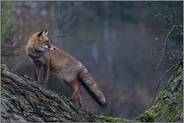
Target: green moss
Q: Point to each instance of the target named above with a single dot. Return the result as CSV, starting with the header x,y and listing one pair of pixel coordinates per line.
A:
x,y
34,102
5,86
67,116
8,22
54,103
43,87
168,106
25,77
112,119
4,67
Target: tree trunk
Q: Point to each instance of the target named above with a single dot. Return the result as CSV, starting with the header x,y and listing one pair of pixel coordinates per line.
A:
x,y
168,106
22,100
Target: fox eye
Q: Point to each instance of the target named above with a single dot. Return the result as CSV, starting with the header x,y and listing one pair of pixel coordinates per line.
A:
x,y
46,42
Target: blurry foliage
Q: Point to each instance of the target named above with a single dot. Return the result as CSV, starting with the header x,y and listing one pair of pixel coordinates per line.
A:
x,y
169,15
167,18
170,19
8,21
63,14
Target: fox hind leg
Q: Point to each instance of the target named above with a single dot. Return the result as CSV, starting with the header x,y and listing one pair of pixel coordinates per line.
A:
x,y
76,92
74,87
73,83
80,99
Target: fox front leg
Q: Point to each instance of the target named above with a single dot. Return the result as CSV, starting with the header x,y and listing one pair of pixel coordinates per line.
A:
x,y
37,72
46,72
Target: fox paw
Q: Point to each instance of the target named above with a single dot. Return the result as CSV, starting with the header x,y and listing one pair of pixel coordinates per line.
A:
x,y
71,99
41,83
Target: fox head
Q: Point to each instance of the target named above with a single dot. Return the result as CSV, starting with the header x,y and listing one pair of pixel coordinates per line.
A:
x,y
40,40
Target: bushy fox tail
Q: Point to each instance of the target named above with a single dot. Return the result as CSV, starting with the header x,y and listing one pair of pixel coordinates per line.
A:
x,y
92,88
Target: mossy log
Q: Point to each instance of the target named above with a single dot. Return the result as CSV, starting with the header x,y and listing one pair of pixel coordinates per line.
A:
x,y
168,106
23,100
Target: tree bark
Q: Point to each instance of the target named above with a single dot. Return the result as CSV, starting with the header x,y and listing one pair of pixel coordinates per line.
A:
x,y
22,100
168,106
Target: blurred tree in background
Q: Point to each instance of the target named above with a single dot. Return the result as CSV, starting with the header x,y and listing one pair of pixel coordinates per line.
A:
x,y
112,39
8,27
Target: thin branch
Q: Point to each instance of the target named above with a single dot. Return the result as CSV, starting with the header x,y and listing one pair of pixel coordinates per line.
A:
x,y
165,43
161,60
168,34
70,9
158,13
167,71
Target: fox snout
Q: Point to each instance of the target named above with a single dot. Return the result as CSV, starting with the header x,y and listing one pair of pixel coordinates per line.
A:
x,y
50,49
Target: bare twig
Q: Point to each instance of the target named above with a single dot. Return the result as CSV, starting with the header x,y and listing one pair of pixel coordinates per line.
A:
x,y
172,27
167,71
158,13
165,43
161,60
168,34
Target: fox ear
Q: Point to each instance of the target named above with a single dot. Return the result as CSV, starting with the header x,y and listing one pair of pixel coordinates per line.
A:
x,y
46,32
40,34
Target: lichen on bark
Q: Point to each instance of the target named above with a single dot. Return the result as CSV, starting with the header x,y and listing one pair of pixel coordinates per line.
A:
x,y
168,106
22,100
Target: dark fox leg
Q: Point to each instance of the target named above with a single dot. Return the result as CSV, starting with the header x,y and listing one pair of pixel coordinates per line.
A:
x,y
74,87
80,99
46,72
76,92
38,72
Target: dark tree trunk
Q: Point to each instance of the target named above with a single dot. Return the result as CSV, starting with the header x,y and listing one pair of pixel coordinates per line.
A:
x,y
22,100
168,106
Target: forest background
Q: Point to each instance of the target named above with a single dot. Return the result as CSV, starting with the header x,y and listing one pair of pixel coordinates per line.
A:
x,y
118,42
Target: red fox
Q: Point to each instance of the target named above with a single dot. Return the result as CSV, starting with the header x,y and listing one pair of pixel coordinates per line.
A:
x,y
38,43
67,68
